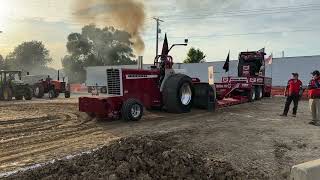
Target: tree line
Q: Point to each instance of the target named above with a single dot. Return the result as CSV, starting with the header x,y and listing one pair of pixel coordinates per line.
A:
x,y
92,47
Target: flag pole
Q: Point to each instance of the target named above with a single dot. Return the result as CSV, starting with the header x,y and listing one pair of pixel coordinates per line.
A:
x,y
272,66
229,64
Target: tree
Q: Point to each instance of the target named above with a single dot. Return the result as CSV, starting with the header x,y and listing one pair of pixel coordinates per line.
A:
x,y
2,62
28,55
96,47
195,56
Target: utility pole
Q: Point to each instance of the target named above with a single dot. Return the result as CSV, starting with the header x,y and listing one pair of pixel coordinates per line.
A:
x,y
158,31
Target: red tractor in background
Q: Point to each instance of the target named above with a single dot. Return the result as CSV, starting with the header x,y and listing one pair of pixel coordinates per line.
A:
x,y
130,90
51,87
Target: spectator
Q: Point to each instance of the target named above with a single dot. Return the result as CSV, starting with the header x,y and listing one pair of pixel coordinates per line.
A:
x,y
314,95
292,91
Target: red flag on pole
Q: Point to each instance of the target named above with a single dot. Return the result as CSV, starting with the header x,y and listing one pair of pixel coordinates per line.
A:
x,y
269,59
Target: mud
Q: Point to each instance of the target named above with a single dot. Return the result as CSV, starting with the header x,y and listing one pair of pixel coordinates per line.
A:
x,y
135,158
249,139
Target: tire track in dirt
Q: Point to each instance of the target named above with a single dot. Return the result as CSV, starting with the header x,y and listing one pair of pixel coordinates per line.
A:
x,y
20,128
38,148
29,140
62,131
46,135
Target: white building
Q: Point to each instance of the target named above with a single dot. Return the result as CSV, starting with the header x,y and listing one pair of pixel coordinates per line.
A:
x,y
280,70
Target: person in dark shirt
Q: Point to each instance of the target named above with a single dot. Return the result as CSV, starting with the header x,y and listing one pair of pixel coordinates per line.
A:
x,y
48,79
314,98
292,91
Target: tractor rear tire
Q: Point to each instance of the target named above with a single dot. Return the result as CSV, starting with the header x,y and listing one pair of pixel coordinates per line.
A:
x,y
51,94
7,94
38,91
67,94
178,94
204,96
132,110
28,94
251,95
259,92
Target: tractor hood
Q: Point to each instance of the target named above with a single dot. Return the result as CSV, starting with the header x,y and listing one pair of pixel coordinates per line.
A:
x,y
18,82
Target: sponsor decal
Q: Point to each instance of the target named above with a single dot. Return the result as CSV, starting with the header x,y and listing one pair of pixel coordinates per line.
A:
x,y
141,76
253,80
245,85
246,68
259,80
225,79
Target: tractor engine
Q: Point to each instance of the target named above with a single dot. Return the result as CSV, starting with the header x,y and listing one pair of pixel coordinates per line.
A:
x,y
134,83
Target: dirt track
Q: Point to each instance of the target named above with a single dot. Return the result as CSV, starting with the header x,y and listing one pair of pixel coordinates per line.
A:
x,y
252,137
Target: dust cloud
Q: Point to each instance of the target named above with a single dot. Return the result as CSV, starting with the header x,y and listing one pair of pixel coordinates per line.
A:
x,y
127,15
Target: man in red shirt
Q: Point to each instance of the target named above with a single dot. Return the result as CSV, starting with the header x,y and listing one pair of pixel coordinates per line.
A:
x,y
293,92
314,95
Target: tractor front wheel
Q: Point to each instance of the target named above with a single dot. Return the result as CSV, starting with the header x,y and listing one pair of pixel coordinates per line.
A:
x,y
251,95
67,94
178,93
259,92
132,110
28,94
38,91
7,94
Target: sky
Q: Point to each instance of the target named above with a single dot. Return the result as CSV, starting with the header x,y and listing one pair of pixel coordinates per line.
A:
x,y
214,26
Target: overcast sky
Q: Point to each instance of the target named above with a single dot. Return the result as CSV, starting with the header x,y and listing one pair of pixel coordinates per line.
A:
x,y
214,26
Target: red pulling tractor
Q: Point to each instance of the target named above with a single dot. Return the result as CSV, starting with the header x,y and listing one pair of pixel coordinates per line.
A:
x,y
130,90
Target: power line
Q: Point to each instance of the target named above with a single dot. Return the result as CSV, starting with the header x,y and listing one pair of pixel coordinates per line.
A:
x,y
246,34
241,13
207,12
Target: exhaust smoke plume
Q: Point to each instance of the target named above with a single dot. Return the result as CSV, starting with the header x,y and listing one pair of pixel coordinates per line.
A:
x,y
128,15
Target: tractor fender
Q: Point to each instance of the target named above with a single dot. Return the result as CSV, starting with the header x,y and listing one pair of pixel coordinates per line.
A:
x,y
168,73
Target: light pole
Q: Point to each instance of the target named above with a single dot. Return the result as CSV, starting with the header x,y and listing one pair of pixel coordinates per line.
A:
x,y
157,33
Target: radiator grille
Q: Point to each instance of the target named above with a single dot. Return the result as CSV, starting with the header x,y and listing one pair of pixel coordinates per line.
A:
x,y
113,82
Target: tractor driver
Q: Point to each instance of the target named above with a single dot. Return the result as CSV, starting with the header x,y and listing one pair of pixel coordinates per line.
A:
x,y
48,80
314,95
293,92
